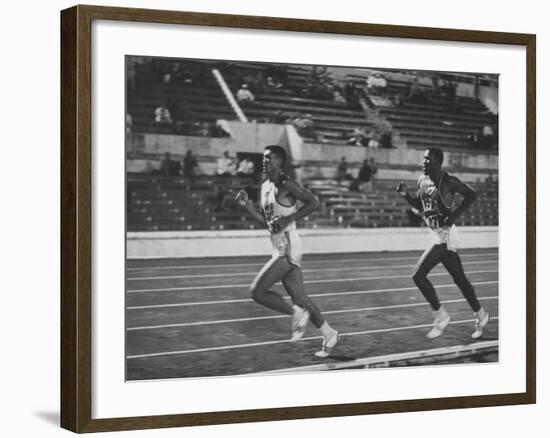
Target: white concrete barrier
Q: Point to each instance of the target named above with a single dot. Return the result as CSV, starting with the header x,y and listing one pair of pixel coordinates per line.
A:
x,y
186,244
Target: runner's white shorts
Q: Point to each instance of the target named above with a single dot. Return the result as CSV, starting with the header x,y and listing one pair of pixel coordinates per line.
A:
x,y
448,235
288,244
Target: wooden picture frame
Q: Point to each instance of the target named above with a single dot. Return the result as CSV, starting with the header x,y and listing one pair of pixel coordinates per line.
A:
x,y
76,218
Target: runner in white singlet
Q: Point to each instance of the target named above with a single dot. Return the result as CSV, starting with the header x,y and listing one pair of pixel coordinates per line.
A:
x,y
286,242
279,196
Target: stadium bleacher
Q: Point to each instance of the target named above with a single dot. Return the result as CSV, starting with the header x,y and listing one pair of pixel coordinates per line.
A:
x,y
334,121
195,92
435,119
159,203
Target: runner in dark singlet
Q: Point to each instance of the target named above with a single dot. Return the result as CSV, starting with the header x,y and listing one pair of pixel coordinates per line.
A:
x,y
436,190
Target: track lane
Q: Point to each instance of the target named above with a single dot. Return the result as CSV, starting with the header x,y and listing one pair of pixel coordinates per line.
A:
x,y
183,307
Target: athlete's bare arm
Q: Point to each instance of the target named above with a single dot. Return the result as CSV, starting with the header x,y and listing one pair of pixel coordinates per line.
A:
x,y
310,202
242,200
403,191
455,185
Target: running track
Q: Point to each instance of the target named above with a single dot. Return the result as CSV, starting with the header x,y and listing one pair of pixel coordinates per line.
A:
x,y
194,318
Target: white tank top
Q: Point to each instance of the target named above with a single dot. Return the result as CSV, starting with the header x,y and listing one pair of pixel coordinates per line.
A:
x,y
272,208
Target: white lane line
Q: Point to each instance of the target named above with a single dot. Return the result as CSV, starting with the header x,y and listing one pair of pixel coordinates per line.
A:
x,y
367,362
327,294
254,263
327,312
329,280
286,341
242,274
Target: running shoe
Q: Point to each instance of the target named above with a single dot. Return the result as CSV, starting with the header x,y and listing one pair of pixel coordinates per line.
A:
x,y
441,320
328,345
299,324
480,324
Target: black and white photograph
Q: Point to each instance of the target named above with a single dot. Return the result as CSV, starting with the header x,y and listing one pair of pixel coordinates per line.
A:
x,y
289,218
275,219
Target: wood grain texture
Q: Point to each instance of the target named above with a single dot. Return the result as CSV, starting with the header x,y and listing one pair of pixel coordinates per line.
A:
x,y
531,247
69,310
76,222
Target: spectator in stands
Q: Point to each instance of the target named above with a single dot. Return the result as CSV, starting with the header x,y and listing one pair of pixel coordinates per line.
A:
x,y
249,79
175,110
342,171
308,126
258,82
416,94
296,120
487,137
271,82
319,72
374,141
376,84
300,122
358,137
386,139
491,185
150,168
128,123
453,89
436,84
473,139
366,175
204,130
279,117
349,90
168,166
337,96
374,171
224,199
245,96
176,73
313,73
163,116
382,83
130,139
190,164
414,90
361,88
489,180
352,95
305,126
225,165
488,131
397,98
371,85
246,168
278,75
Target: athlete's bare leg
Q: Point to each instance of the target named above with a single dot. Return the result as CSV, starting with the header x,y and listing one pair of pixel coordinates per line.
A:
x,y
431,257
272,272
452,263
294,284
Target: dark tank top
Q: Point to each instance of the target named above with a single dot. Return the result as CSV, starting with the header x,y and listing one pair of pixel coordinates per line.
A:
x,y
433,200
